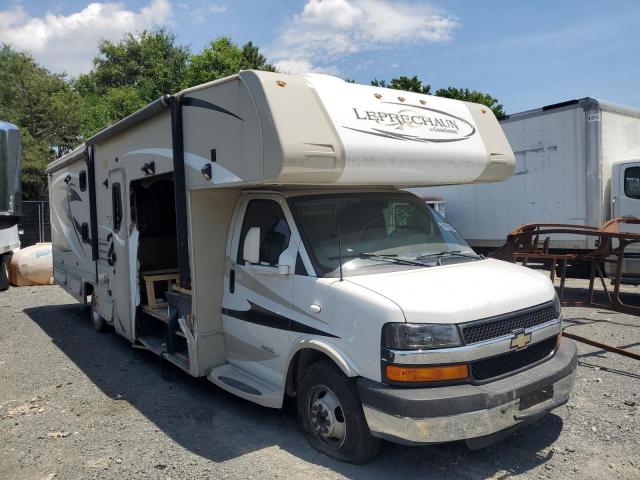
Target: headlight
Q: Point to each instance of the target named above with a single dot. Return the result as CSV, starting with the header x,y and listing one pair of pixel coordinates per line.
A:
x,y
557,309
414,336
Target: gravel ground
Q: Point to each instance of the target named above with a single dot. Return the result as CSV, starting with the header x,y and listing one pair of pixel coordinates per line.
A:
x,y
78,404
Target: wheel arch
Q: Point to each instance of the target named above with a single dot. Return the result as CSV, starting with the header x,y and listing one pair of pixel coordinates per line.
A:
x,y
307,352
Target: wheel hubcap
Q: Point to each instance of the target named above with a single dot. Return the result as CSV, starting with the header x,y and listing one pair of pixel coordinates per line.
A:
x,y
326,416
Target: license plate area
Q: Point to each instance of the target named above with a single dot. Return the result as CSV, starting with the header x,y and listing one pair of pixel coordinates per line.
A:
x,y
530,399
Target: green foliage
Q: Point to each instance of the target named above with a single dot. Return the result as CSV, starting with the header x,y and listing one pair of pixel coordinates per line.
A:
x,y
150,61
222,58
129,74
47,110
138,69
473,96
409,84
101,110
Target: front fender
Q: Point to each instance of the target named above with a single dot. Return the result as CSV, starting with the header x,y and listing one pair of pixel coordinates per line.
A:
x,y
341,359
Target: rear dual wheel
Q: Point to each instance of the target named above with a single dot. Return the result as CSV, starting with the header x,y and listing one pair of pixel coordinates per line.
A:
x,y
330,411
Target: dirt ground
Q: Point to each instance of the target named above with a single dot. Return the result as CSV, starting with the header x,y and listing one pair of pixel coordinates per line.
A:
x,y
78,404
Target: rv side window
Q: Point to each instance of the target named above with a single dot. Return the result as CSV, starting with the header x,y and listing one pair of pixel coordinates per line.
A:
x,y
274,230
116,205
632,182
83,180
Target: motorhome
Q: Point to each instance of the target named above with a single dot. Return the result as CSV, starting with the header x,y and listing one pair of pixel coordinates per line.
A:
x,y
252,231
10,196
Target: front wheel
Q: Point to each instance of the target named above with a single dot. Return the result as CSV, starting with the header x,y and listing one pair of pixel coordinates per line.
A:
x,y
331,414
99,323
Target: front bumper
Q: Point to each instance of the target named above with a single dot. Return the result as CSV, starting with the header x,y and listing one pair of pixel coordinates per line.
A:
x,y
463,412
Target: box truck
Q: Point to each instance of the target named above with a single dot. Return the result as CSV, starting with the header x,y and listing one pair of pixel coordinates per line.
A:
x,y
10,196
577,162
251,231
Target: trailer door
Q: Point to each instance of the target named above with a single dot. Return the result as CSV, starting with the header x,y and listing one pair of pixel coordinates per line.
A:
x,y
115,295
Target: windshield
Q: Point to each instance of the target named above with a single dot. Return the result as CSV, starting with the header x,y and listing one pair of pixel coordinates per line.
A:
x,y
375,228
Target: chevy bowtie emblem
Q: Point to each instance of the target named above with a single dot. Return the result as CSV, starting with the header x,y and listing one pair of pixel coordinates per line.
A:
x,y
520,339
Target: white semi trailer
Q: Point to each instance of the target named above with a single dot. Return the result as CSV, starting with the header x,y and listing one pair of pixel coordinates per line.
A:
x,y
577,162
10,196
250,230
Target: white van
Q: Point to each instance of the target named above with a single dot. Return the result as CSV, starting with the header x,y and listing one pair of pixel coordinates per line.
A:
x,y
251,230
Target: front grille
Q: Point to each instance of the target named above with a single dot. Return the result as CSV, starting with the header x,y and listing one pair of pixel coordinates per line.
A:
x,y
505,324
512,361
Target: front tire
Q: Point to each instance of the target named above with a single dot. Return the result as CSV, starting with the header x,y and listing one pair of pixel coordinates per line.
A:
x,y
99,323
330,411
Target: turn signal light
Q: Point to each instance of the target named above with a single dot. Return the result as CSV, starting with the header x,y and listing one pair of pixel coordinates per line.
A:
x,y
427,374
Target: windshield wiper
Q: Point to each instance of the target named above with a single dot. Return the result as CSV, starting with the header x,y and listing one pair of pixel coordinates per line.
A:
x,y
450,253
391,258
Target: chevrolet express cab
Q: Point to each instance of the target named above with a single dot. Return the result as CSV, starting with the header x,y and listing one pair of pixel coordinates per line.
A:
x,y
253,231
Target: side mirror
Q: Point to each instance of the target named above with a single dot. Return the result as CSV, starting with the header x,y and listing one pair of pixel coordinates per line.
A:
x,y
251,248
287,262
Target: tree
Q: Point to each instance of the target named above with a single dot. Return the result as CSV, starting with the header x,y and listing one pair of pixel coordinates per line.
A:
x,y
129,74
222,58
254,60
412,84
150,61
473,96
46,109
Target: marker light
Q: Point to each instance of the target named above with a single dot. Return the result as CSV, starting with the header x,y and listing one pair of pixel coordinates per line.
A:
x,y
427,374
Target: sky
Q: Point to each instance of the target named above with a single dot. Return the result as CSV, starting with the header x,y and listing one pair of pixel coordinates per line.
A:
x,y
525,53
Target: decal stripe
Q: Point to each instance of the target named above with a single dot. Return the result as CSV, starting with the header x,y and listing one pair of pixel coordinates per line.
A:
x,y
196,102
261,316
404,137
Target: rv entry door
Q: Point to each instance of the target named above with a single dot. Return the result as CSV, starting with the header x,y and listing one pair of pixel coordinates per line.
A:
x,y
114,297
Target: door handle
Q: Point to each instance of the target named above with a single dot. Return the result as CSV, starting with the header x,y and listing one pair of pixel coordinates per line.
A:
x,y
315,308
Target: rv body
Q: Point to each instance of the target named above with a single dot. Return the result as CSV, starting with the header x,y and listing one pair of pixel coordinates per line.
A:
x,y
577,162
10,196
251,231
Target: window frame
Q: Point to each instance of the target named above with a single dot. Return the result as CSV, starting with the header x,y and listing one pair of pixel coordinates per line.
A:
x,y
241,224
82,180
624,182
116,207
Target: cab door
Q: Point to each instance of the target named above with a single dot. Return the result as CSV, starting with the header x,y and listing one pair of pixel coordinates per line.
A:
x,y
257,297
625,190
625,202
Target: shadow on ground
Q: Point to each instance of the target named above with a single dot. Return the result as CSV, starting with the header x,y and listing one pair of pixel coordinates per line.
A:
x,y
218,426
579,296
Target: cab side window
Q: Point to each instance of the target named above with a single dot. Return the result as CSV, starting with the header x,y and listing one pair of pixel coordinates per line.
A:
x,y
632,182
274,230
